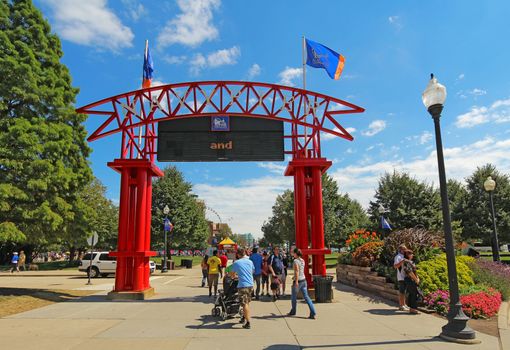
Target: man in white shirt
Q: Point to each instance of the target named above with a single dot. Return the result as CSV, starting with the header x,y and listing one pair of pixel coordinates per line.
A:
x,y
397,264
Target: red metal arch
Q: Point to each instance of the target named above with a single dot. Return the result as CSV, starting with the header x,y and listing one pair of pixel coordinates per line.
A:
x,y
135,113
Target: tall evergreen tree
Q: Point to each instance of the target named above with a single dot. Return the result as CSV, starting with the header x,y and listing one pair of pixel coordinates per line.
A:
x,y
43,152
409,201
476,216
186,213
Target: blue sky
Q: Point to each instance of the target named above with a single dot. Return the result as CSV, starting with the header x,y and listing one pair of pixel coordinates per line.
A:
x,y
390,48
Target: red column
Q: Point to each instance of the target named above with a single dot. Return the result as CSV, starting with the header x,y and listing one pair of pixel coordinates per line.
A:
x,y
133,247
300,215
319,266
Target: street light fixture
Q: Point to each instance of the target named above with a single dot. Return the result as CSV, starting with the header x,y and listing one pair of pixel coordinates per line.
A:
x,y
166,210
490,186
457,328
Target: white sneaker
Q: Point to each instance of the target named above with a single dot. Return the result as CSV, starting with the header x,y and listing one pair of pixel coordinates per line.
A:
x,y
404,308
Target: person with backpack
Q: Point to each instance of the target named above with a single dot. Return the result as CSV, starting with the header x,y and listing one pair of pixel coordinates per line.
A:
x,y
276,268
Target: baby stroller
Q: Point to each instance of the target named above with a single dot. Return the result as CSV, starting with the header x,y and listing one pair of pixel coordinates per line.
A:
x,y
227,303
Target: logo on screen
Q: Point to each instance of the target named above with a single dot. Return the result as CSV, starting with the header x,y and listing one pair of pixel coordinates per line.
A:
x,y
220,124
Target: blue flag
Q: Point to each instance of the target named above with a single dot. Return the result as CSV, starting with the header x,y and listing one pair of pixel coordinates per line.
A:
x,y
320,56
385,224
168,225
148,67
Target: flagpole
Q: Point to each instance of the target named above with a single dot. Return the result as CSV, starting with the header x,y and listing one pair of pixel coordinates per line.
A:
x,y
304,88
143,72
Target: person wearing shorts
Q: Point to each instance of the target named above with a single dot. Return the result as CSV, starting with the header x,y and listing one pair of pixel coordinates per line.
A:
x,y
265,273
244,269
214,264
398,265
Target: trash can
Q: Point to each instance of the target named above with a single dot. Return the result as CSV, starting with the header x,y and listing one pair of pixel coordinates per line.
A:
x,y
323,288
188,263
170,265
183,263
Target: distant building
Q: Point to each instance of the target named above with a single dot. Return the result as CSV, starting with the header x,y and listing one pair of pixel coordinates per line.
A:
x,y
217,231
248,238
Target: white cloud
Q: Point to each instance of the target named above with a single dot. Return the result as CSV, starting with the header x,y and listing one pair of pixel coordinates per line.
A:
x,y
254,71
134,9
374,128
395,22
289,74
461,76
214,59
360,181
473,92
224,57
326,136
498,112
273,167
425,137
90,23
191,27
257,194
175,59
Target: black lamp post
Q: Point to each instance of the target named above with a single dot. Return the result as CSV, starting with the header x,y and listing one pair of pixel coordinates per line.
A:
x,y
166,210
489,186
457,328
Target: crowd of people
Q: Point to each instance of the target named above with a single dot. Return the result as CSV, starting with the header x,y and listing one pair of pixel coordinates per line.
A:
x,y
258,273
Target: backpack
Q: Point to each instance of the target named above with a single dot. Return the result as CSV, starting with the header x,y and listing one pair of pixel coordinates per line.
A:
x,y
277,264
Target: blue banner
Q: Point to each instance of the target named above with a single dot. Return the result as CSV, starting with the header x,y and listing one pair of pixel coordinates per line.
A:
x,y
320,56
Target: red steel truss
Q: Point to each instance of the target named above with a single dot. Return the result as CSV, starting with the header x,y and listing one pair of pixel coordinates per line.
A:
x,y
135,115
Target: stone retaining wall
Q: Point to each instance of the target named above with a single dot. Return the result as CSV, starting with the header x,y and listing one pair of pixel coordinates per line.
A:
x,y
366,279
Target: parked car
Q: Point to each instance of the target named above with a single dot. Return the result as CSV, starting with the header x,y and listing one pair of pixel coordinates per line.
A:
x,y
103,264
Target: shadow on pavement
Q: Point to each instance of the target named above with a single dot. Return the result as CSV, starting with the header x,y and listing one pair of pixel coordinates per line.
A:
x,y
354,345
361,293
102,298
271,316
211,322
385,312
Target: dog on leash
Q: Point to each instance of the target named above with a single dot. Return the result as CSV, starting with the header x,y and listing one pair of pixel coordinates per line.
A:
x,y
33,267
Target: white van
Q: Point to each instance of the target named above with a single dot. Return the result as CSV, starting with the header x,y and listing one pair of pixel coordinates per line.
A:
x,y
103,264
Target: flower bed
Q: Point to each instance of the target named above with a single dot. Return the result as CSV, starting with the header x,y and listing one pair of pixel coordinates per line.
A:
x,y
484,303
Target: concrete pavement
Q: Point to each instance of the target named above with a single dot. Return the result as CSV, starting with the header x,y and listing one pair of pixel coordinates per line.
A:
x,y
178,317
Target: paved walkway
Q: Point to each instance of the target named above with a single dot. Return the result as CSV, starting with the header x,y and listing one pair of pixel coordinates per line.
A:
x,y
178,317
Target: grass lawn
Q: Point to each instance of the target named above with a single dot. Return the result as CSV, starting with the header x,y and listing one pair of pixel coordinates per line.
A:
x,y
177,259
331,260
49,266
16,300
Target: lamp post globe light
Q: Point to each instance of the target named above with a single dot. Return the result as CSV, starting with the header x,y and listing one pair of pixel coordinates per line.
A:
x,y
457,328
490,186
166,210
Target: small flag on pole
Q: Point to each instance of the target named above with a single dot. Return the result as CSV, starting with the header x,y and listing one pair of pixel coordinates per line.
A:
x,y
148,67
385,224
320,56
168,225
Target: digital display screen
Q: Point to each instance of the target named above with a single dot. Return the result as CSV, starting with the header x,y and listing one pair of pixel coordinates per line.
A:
x,y
224,138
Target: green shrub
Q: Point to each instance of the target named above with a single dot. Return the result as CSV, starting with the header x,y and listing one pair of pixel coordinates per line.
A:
x,y
425,244
366,254
345,258
433,273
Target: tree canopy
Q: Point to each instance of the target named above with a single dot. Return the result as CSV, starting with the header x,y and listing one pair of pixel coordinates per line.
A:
x,y
43,152
186,213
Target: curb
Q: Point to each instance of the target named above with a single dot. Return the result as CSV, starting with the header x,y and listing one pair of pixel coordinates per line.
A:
x,y
504,326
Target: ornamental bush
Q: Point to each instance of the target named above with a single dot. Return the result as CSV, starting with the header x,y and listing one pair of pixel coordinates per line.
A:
x,y
424,243
366,254
360,237
433,273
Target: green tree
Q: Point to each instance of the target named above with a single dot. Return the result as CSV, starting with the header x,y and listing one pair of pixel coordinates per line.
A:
x,y
342,216
476,216
43,151
409,201
457,195
186,213
93,212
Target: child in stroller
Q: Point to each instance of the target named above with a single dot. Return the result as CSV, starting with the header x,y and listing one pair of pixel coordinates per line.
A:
x,y
227,303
